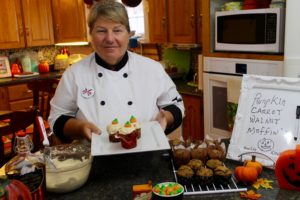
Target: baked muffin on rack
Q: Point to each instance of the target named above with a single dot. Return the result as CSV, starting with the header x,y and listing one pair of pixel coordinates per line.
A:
x,y
215,150
222,175
199,151
204,176
195,164
185,175
214,163
181,154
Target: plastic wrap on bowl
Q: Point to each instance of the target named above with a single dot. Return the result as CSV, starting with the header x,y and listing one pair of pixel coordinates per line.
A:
x,y
69,169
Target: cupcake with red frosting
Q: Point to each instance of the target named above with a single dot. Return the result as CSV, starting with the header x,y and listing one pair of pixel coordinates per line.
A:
x,y
113,130
128,136
136,125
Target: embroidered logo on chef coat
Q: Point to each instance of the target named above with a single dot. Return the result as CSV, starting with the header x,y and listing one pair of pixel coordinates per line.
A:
x,y
87,92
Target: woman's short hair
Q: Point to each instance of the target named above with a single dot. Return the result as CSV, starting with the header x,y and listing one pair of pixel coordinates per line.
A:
x,y
108,9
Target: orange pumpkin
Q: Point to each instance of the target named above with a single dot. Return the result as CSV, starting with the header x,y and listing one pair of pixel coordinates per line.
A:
x,y
13,189
287,169
253,163
246,175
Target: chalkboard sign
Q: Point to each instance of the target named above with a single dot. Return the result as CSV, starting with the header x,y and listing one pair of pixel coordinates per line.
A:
x,y
268,118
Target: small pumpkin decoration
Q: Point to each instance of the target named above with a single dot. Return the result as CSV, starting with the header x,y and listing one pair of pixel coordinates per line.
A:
x,y
287,169
246,175
13,189
253,163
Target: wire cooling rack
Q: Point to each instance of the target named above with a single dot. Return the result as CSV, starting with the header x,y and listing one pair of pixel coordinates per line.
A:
x,y
195,189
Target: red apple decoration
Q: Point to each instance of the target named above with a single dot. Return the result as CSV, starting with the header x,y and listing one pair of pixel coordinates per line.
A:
x,y
43,67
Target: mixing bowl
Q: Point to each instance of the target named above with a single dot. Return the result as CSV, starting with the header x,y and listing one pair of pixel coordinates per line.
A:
x,y
67,167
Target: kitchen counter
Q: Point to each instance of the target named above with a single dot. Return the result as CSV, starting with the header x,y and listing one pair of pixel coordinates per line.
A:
x,y
15,81
112,177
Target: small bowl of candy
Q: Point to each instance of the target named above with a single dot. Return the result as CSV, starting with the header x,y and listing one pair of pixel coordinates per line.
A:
x,y
167,190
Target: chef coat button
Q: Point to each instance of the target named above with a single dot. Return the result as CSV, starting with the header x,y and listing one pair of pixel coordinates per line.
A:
x,y
130,103
102,103
100,74
125,75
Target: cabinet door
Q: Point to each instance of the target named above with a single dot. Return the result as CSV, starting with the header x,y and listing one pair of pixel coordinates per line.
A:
x,y
69,21
11,26
182,21
38,22
193,126
199,21
157,21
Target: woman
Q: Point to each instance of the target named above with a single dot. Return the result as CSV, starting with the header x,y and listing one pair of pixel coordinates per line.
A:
x,y
112,83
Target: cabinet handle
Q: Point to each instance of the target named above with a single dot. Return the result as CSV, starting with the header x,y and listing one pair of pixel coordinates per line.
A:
x,y
57,28
27,31
28,91
21,31
163,22
192,20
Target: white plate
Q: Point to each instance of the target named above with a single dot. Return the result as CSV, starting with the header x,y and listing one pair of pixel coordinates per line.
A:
x,y
152,138
26,75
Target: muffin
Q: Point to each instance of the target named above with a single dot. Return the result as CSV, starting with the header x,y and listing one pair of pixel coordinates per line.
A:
x,y
128,136
113,130
136,125
222,175
216,151
185,174
213,163
195,164
199,151
204,176
181,157
181,154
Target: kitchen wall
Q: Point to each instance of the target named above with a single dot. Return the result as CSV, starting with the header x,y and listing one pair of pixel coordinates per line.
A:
x,y
292,39
179,58
47,53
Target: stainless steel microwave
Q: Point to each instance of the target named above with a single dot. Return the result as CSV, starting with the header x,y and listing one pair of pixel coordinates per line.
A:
x,y
256,30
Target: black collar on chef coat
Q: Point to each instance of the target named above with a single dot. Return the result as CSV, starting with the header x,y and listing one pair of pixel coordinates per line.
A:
x,y
117,67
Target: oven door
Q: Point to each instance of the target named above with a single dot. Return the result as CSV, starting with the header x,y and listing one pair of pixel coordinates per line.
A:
x,y
216,95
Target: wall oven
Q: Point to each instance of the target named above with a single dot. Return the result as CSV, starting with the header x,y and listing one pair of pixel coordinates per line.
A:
x,y
222,79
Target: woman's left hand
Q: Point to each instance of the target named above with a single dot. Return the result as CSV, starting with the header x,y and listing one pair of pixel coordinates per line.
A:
x,y
162,119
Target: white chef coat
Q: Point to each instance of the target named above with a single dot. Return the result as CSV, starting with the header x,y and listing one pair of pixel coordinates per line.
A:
x,y
91,92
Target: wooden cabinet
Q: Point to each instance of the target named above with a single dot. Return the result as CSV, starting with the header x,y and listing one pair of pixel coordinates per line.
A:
x,y
182,21
157,21
15,97
208,9
25,23
174,21
69,21
193,125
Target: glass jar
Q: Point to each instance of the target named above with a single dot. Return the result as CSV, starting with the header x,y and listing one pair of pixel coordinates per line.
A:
x,y
27,167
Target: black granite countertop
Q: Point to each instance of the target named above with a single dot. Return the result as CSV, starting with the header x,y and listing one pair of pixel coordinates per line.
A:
x,y
181,84
112,178
15,81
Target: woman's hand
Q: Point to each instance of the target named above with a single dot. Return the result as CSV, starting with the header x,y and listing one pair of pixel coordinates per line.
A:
x,y
89,128
162,119
78,129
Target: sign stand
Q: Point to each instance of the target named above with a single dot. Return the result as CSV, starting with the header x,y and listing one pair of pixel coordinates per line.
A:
x,y
267,119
